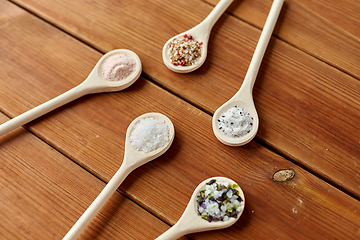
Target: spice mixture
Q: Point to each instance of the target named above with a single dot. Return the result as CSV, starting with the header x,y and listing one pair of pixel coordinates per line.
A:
x,y
236,122
219,201
117,67
184,51
149,134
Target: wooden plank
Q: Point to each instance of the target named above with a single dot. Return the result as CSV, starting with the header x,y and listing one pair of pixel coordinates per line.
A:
x,y
308,110
328,30
43,193
91,131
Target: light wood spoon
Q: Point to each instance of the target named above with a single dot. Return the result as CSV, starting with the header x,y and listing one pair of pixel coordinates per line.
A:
x,y
243,98
94,83
132,160
201,33
191,222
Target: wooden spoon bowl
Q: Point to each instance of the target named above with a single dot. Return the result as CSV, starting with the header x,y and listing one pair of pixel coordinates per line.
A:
x,y
201,33
132,159
191,222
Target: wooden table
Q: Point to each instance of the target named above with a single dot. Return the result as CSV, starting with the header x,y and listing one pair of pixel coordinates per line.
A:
x,y
307,95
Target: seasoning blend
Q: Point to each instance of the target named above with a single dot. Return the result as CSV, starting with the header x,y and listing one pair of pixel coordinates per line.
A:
x,y
149,134
216,203
184,50
117,67
235,122
202,34
220,201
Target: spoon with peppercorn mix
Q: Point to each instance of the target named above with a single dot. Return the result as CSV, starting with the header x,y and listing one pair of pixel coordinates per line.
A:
x,y
236,122
187,51
193,221
148,130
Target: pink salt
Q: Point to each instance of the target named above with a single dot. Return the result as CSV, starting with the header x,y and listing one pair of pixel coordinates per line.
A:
x,y
117,67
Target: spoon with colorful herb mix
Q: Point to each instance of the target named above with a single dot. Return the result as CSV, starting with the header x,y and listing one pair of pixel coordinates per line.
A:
x,y
115,71
215,204
187,51
236,122
147,137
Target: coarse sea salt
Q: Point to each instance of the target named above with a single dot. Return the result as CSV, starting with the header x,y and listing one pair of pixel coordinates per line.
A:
x,y
149,134
219,201
117,67
235,122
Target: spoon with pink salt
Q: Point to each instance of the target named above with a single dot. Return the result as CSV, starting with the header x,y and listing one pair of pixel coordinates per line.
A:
x,y
115,71
196,41
236,122
147,137
192,222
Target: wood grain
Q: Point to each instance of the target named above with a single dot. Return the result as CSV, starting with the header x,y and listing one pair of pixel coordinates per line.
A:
x,y
42,193
308,109
91,132
327,30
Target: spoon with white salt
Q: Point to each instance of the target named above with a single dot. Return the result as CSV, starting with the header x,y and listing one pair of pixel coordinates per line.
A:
x,y
241,108
147,137
124,72
191,222
197,38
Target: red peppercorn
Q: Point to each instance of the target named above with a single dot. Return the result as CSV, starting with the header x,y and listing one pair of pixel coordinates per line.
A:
x,y
185,35
190,37
201,43
181,63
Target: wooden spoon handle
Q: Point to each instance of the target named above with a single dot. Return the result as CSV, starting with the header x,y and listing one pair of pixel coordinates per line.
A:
x,y
42,109
172,233
262,45
216,13
98,203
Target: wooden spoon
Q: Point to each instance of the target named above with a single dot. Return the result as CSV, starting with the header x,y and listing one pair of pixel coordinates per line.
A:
x,y
201,33
94,83
191,222
132,160
243,97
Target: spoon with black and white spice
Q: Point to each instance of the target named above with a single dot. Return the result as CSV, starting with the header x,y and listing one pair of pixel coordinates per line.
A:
x,y
236,122
187,51
216,203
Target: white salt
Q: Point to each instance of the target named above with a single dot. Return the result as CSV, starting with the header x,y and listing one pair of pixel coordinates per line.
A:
x,y
149,134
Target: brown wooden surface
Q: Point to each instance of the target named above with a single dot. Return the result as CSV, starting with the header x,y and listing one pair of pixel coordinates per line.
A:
x,y
37,199
328,30
308,105
297,95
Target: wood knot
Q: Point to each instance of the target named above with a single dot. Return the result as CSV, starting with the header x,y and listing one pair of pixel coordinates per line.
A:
x,y
283,175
